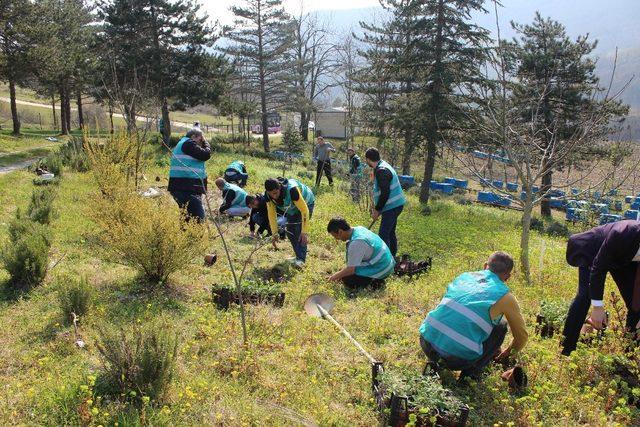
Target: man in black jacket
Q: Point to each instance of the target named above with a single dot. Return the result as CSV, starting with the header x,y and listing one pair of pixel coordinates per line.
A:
x,y
611,248
187,173
355,174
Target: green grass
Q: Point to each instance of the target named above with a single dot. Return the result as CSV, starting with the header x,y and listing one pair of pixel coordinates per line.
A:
x,y
296,369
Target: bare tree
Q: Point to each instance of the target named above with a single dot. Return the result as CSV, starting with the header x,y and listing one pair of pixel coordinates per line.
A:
x,y
349,62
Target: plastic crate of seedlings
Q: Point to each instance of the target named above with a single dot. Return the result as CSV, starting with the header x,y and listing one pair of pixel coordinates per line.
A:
x,y
406,397
264,287
551,318
406,267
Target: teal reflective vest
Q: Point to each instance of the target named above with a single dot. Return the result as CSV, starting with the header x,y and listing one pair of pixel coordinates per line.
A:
x,y
288,207
461,322
236,166
241,195
185,166
381,263
396,195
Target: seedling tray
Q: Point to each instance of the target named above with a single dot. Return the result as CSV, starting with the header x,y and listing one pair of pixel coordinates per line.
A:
x,y
396,411
406,267
546,330
224,297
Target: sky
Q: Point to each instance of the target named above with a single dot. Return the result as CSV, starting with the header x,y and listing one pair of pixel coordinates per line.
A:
x,y
219,9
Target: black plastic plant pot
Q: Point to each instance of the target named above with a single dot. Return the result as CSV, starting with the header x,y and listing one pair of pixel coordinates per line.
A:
x,y
399,414
545,329
224,297
406,267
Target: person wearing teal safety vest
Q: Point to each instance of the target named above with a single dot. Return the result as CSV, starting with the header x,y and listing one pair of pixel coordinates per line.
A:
x,y
465,331
236,173
368,258
356,167
236,201
187,173
294,201
388,197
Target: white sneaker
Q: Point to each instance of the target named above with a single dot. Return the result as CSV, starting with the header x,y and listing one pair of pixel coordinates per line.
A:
x,y
299,263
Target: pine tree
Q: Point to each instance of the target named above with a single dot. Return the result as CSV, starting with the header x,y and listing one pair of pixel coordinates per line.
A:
x,y
259,40
557,86
17,18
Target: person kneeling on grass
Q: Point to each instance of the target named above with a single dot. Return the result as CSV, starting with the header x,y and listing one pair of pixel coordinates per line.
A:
x,y
236,173
260,218
369,260
466,330
236,200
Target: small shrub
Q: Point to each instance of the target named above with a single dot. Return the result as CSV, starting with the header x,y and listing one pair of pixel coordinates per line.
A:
x,y
148,235
138,363
26,256
74,156
536,224
41,205
557,229
75,295
53,163
461,200
291,140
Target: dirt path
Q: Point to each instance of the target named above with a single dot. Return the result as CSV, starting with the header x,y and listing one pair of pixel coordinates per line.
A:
x,y
139,119
23,164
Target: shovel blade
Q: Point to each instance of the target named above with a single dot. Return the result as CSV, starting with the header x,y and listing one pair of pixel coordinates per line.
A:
x,y
323,300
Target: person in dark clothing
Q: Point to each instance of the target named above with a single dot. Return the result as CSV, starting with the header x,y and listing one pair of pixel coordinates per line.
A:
x,y
322,156
355,174
258,215
187,173
388,197
236,173
234,199
611,248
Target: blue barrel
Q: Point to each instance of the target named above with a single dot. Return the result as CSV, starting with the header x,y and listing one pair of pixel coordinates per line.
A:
x,y
450,180
617,205
535,188
575,214
480,154
434,185
597,195
512,186
600,208
628,199
607,218
446,188
635,206
497,183
636,200
613,192
407,181
632,214
461,183
503,201
575,191
486,197
556,203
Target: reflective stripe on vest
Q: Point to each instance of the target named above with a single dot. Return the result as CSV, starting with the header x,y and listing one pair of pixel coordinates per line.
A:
x,y
288,207
236,166
381,263
461,323
185,166
241,195
396,195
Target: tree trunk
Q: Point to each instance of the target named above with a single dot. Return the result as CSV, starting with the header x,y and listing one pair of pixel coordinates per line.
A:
x,y
545,205
166,120
80,113
130,117
63,111
53,108
111,128
429,164
304,125
524,237
408,151
14,108
67,107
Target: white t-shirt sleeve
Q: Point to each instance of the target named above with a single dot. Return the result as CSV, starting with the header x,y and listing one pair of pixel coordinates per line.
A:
x,y
358,252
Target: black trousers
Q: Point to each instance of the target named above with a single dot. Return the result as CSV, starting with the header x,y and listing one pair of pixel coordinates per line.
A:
x,y
470,368
355,282
326,167
625,280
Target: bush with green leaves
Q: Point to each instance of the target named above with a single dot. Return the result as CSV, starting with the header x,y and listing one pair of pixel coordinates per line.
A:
x,y
536,224
75,295
424,392
557,229
53,163
139,362
74,156
26,255
291,140
40,207
554,312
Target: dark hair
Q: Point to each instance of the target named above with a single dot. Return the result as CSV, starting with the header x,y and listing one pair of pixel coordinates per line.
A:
x,y
194,132
249,199
500,262
338,223
372,154
271,184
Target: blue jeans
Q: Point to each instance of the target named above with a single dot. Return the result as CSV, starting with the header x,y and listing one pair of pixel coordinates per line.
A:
x,y
193,203
294,229
387,231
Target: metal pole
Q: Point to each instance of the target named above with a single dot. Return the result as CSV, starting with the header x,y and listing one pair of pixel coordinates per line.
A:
x,y
327,316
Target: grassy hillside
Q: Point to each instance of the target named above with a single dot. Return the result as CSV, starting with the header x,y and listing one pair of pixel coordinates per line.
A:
x,y
296,370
